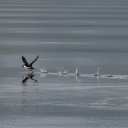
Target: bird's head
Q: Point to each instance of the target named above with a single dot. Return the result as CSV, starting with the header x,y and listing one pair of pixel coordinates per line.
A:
x,y
23,65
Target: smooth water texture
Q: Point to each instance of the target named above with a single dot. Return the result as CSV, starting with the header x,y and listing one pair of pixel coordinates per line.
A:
x,y
66,34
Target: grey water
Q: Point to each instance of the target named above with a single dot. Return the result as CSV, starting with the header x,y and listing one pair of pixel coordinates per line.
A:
x,y
65,34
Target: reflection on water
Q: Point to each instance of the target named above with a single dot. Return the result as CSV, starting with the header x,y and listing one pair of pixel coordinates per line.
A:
x,y
28,76
27,100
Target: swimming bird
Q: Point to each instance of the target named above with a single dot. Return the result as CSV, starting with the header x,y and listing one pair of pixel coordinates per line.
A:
x,y
97,74
43,70
65,72
76,72
28,66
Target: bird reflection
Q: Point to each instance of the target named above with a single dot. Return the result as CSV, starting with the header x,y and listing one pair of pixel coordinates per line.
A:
x,y
28,76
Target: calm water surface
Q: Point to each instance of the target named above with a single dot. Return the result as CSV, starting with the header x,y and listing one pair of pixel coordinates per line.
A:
x,y
66,35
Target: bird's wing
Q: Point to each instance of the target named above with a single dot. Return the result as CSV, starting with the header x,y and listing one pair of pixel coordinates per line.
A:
x,y
25,61
34,60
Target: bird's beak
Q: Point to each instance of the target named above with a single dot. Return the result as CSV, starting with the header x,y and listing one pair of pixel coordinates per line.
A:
x,y
28,69
22,66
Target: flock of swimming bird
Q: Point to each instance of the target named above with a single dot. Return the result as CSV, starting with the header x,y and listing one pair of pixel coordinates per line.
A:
x,y
43,72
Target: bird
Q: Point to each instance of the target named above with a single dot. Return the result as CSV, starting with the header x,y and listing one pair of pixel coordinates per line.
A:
x,y
65,72
76,72
43,70
97,74
28,66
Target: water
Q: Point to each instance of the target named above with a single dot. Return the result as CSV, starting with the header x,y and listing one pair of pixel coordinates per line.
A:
x,y
66,35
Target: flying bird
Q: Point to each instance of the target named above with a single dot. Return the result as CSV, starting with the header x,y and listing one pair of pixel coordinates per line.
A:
x,y
28,66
